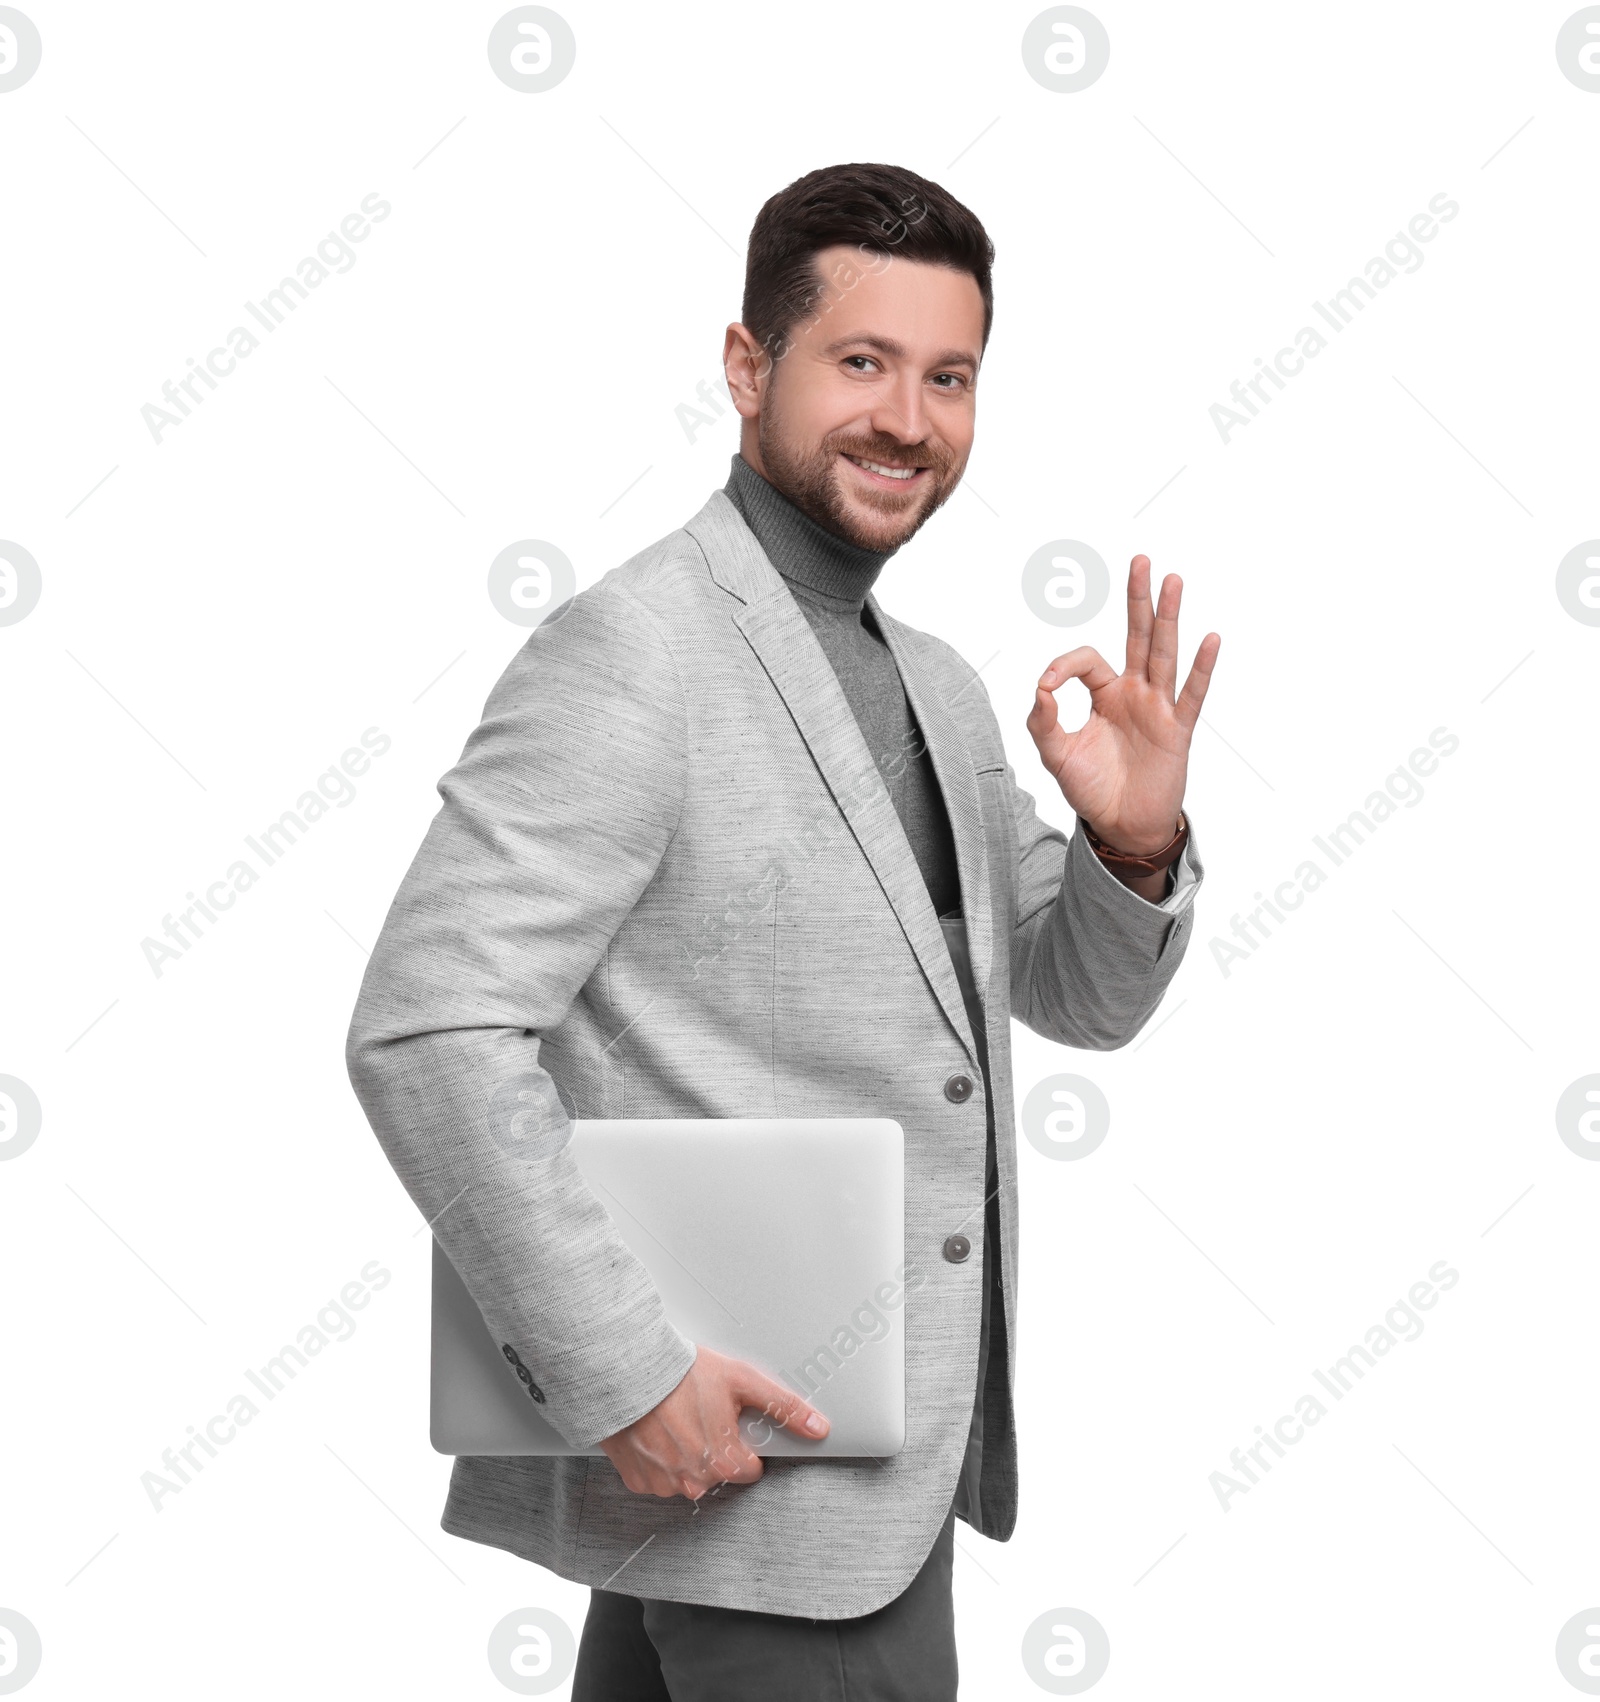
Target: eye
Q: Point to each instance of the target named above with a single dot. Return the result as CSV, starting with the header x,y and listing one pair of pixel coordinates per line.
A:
x,y
956,379
866,361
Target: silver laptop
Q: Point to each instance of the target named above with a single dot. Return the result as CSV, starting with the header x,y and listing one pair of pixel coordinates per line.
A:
x,y
778,1240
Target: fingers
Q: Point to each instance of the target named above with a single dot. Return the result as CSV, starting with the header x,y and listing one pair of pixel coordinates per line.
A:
x,y
1085,663
692,1444
1153,642
678,1471
782,1406
1141,616
730,1461
1163,664
1199,680
1044,719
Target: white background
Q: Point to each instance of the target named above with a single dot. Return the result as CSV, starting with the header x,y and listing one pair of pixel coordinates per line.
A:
x,y
1292,1144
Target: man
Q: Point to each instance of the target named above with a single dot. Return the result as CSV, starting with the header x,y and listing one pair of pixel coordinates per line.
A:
x,y
730,841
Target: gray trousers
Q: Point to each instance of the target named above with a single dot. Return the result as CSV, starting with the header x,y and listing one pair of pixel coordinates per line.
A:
x,y
637,1650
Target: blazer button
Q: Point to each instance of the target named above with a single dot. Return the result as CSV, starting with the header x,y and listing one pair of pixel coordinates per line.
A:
x,y
958,1090
957,1248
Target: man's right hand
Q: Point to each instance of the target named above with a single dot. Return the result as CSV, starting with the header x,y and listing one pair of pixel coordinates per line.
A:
x,y
690,1442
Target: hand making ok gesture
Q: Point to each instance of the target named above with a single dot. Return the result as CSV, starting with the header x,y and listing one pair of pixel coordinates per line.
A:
x,y
1124,770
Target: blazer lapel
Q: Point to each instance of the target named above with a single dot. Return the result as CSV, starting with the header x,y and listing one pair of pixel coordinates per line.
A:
x,y
958,781
781,637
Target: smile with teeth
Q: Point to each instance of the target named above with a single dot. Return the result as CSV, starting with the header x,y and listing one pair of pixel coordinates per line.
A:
x,y
883,471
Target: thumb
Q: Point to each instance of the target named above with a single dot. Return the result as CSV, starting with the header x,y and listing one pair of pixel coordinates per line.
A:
x,y
786,1409
1044,726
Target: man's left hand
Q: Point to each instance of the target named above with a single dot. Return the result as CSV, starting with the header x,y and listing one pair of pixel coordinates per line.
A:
x,y
1124,770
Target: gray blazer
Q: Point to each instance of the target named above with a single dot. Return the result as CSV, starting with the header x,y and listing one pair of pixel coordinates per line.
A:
x,y
668,878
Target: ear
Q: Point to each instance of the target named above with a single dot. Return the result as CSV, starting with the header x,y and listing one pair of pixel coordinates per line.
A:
x,y
747,367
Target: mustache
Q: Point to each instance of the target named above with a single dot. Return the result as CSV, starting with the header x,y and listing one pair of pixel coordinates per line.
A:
x,y
892,454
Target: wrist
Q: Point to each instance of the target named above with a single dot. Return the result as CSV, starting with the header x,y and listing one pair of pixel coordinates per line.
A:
x,y
1138,860
1121,847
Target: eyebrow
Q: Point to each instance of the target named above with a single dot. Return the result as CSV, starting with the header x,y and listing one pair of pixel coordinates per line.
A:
x,y
897,351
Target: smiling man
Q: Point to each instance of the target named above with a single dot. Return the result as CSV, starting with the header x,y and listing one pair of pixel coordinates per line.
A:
x,y
731,841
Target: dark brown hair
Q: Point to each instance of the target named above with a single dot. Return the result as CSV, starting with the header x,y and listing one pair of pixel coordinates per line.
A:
x,y
883,210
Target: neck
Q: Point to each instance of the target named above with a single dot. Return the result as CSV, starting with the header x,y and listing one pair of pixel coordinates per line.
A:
x,y
805,553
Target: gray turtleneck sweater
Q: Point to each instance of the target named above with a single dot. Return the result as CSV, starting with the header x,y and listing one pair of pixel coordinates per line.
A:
x,y
830,580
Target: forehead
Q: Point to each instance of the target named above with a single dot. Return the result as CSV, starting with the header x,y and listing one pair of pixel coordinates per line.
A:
x,y
930,309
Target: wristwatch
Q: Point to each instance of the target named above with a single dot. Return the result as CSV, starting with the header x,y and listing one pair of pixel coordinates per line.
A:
x,y
1122,863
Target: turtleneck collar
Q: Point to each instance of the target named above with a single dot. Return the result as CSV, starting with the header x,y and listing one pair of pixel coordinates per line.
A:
x,y
808,557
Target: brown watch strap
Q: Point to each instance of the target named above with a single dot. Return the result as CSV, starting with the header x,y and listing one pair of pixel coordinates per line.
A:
x,y
1123,863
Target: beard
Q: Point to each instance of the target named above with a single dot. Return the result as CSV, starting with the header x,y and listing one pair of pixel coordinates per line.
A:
x,y
870,518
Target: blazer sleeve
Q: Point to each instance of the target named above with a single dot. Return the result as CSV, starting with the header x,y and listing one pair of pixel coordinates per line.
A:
x,y
1090,958
553,823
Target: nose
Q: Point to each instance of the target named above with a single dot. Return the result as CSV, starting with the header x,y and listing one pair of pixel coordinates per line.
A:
x,y
898,410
